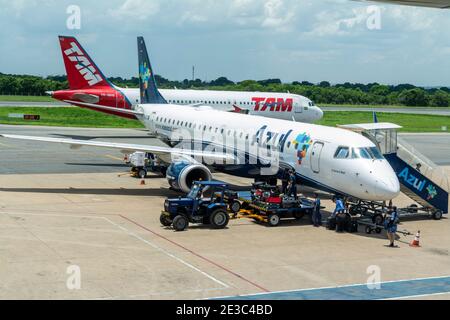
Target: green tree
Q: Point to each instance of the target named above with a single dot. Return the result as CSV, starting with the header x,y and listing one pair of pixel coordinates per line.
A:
x,y
413,97
440,99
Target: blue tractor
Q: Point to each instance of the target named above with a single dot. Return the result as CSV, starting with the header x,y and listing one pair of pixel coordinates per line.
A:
x,y
198,208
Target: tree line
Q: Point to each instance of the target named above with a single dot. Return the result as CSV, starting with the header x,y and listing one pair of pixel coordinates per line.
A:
x,y
321,93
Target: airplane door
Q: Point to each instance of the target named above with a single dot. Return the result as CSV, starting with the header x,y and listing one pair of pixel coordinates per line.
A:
x,y
298,108
315,156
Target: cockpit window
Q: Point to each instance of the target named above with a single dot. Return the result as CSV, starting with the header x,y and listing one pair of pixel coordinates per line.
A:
x,y
376,154
342,153
364,153
370,153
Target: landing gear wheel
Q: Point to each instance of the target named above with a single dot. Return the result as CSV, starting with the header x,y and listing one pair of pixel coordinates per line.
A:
x,y
378,230
437,215
378,219
142,173
165,221
235,206
273,220
219,219
368,230
180,223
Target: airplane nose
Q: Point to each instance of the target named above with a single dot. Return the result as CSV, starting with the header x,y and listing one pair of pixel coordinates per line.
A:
x,y
319,114
388,188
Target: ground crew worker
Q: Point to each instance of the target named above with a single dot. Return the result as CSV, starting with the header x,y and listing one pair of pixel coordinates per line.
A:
x,y
339,206
391,226
341,216
285,181
317,216
292,184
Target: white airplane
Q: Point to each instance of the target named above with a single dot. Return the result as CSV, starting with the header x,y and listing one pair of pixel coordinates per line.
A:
x,y
329,159
89,86
441,4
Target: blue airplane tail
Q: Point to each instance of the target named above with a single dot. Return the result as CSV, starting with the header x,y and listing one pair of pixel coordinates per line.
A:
x,y
147,83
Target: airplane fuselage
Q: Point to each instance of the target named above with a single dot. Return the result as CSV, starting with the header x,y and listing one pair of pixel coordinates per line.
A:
x,y
283,106
330,159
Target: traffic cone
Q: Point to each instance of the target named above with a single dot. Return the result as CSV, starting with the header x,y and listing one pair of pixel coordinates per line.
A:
x,y
142,182
416,241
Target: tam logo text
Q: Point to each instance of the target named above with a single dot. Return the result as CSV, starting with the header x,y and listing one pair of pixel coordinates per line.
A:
x,y
83,64
273,104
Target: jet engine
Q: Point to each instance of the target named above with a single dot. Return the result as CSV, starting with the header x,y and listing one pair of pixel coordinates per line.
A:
x,y
181,175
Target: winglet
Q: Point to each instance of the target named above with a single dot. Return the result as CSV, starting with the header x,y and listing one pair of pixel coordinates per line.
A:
x,y
375,118
147,82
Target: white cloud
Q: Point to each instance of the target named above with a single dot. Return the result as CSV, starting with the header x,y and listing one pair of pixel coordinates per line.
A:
x,y
136,9
277,15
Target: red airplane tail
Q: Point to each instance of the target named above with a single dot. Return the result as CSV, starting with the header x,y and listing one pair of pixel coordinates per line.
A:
x,y
82,72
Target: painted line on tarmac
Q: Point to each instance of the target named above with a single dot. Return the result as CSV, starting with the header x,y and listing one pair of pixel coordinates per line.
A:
x,y
198,255
113,157
401,289
6,145
166,252
187,264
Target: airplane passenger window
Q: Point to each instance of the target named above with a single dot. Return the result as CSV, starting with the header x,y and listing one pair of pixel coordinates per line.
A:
x,y
342,153
289,144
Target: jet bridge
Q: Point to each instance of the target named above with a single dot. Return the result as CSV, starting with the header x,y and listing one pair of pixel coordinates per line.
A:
x,y
420,179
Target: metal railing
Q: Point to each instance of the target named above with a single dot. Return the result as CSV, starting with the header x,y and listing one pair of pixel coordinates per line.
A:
x,y
424,165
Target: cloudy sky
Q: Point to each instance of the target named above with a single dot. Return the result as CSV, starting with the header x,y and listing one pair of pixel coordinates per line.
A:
x,y
312,40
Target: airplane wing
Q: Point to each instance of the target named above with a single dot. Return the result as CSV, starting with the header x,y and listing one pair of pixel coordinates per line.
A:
x,y
128,148
442,4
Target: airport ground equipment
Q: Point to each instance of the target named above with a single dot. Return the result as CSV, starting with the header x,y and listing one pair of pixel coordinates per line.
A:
x,y
268,208
371,227
142,162
138,162
420,179
198,209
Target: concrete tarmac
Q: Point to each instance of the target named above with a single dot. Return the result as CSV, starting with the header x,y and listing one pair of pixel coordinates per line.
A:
x,y
104,230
